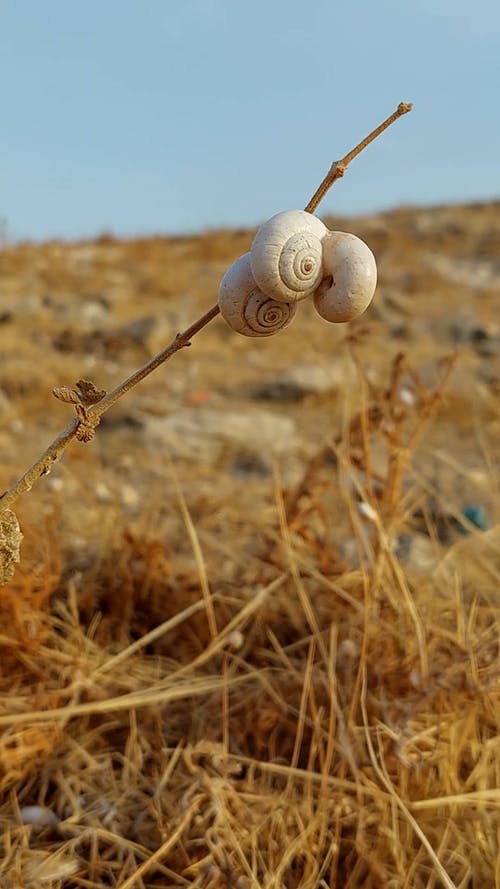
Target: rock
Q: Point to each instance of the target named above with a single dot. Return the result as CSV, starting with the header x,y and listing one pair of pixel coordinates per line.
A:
x,y
250,465
483,338
476,273
137,331
94,311
417,552
120,418
446,524
88,312
203,434
130,497
300,380
39,816
476,515
196,397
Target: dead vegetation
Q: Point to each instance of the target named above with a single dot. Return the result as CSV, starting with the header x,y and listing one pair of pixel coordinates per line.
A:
x,y
242,668
301,707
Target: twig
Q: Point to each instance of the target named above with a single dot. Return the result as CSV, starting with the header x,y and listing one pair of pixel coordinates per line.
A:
x,y
338,168
90,404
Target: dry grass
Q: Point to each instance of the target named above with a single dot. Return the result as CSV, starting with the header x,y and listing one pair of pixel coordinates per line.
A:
x,y
311,723
249,682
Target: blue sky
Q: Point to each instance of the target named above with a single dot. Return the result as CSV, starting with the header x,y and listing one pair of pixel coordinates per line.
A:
x,y
152,116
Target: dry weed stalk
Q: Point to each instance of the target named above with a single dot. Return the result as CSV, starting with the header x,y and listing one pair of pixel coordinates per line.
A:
x,y
90,403
313,753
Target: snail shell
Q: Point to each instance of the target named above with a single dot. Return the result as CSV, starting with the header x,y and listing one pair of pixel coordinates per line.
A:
x,y
287,255
245,308
350,278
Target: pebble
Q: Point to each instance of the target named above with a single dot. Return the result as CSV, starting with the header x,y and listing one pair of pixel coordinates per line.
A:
x,y
94,312
130,497
39,816
195,397
483,338
476,515
417,552
137,331
301,380
246,465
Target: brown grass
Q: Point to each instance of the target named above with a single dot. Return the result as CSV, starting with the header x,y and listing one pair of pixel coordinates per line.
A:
x,y
338,728
249,682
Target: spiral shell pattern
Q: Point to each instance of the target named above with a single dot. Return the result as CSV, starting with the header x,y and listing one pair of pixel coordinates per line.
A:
x,y
265,316
287,255
245,308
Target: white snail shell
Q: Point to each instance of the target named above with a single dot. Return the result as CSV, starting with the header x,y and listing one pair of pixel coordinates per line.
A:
x,y
350,278
245,308
287,255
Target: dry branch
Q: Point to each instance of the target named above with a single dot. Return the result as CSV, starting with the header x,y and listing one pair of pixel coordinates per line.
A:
x,y
90,404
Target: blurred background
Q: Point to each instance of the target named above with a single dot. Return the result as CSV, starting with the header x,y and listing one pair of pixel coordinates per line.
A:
x,y
309,525
134,118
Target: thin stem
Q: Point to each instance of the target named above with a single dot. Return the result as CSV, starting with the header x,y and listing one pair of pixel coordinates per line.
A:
x,y
338,168
41,466
180,342
88,416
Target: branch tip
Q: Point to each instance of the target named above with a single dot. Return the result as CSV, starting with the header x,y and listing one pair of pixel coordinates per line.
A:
x,y
339,167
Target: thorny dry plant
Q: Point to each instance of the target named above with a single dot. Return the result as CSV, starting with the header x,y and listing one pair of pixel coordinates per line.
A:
x,y
91,403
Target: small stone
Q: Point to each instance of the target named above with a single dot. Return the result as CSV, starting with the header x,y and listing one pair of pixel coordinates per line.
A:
x,y
196,397
139,330
102,492
301,380
418,553
348,650
476,515
39,816
407,396
204,434
235,640
94,312
476,273
250,465
130,497
367,511
56,484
